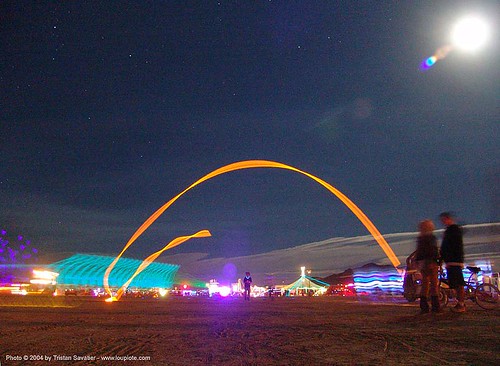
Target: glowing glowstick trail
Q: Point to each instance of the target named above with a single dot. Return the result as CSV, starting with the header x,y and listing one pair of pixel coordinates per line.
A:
x,y
177,241
249,164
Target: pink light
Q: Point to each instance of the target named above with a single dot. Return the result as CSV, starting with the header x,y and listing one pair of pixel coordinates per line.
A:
x,y
224,291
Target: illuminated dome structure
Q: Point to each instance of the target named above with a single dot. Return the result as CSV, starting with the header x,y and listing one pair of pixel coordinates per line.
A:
x,y
306,285
88,270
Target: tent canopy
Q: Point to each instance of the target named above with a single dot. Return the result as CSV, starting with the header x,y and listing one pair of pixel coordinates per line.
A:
x,y
307,283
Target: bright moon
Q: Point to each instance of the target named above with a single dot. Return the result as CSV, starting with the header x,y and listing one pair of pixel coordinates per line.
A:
x,y
470,34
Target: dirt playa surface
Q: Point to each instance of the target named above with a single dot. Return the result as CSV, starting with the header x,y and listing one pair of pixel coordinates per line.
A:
x,y
231,331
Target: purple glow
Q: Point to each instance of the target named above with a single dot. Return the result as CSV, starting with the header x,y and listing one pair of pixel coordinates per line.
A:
x,y
229,271
16,251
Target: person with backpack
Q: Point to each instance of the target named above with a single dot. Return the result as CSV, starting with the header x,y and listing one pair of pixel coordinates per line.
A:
x,y
452,253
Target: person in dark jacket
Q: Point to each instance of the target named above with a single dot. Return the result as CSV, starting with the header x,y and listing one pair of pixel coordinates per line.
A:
x,y
247,282
427,257
452,253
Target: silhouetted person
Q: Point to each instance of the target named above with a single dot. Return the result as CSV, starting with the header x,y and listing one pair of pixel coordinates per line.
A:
x,y
247,282
452,253
427,257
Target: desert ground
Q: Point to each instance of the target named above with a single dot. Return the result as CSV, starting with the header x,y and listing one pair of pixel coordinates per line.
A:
x,y
231,331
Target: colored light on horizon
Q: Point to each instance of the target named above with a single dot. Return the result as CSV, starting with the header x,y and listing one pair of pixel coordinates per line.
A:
x,y
224,291
163,292
375,280
45,275
248,164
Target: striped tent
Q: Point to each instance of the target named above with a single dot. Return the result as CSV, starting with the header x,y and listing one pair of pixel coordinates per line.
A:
x,y
306,285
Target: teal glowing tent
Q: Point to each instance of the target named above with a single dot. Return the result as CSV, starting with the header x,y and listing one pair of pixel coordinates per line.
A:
x,y
88,270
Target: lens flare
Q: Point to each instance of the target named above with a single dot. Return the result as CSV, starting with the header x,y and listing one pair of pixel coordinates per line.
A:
x,y
440,54
430,61
248,164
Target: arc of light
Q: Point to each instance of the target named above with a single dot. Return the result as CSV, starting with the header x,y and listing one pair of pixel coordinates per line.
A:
x,y
177,241
440,54
249,164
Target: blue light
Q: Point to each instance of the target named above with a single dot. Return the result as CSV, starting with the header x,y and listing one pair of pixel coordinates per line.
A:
x,y
429,62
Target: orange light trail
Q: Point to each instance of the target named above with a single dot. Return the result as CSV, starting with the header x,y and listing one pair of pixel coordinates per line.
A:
x,y
248,164
177,241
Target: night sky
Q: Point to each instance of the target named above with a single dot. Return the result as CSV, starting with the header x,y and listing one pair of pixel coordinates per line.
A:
x,y
110,109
